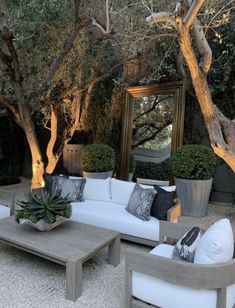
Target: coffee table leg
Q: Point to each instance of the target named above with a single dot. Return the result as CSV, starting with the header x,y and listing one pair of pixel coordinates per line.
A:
x,y
73,279
114,251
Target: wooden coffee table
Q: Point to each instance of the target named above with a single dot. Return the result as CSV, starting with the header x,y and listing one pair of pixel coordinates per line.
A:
x,y
70,244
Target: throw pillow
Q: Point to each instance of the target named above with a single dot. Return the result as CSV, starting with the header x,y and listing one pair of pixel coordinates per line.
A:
x,y
162,202
121,191
186,246
140,202
50,180
97,189
216,245
69,187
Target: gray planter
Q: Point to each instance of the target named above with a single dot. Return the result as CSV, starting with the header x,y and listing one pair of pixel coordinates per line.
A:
x,y
194,196
97,175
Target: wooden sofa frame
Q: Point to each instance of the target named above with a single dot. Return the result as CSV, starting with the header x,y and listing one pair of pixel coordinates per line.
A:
x,y
8,198
216,277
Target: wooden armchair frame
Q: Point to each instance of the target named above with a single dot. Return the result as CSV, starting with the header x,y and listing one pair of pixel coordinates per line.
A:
x,y
209,277
9,199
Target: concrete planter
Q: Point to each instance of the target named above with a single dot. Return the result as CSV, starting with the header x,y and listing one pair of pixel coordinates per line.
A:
x,y
194,196
97,175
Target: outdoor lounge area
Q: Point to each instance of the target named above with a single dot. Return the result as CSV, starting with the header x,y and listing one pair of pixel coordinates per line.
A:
x,y
117,154
31,280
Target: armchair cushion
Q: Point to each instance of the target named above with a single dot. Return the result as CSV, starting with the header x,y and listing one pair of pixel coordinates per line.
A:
x,y
216,244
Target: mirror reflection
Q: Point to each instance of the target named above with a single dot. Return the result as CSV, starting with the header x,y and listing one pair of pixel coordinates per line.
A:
x,y
152,127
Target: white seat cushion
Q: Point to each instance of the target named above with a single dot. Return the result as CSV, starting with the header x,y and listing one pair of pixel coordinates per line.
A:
x,y
121,191
97,189
115,217
163,294
216,244
4,211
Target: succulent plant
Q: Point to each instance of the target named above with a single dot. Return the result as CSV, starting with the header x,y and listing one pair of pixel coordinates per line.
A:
x,y
45,205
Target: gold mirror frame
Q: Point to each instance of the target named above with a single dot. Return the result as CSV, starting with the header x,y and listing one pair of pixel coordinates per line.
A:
x,y
177,89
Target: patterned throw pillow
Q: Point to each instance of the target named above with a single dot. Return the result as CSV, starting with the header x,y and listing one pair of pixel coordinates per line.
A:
x,y
73,188
140,202
186,246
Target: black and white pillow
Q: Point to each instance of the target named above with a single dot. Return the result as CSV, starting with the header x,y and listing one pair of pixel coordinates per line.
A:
x,y
186,246
73,188
140,202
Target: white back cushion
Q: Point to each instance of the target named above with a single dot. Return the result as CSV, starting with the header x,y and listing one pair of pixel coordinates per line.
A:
x,y
216,244
121,191
97,189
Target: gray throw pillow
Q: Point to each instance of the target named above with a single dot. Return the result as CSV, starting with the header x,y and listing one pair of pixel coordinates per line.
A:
x,y
73,188
140,202
186,246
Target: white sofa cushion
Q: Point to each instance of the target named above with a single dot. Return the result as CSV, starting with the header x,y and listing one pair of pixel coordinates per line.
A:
x,y
216,244
114,216
97,189
4,211
121,191
163,294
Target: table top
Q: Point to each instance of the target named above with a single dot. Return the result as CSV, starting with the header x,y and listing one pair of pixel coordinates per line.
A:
x,y
67,241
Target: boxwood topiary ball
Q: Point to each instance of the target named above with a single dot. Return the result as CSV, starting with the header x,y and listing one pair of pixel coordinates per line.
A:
x,y
97,158
194,162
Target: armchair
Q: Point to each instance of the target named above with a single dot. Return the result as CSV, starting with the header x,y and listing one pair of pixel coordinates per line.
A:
x,y
155,280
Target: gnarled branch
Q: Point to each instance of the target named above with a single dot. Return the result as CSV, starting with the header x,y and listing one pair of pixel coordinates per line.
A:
x,y
161,17
192,12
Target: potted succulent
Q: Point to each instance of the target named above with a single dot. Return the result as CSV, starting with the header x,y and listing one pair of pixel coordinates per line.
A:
x,y
44,210
193,167
98,161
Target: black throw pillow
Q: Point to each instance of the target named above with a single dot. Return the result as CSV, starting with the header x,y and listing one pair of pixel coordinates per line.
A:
x,y
162,202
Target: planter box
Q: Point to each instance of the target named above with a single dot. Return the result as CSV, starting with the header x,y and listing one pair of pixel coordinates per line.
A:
x,y
194,196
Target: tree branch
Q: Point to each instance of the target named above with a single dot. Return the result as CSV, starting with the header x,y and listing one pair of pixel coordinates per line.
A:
x,y
156,102
101,27
66,47
161,17
6,102
202,45
153,135
192,12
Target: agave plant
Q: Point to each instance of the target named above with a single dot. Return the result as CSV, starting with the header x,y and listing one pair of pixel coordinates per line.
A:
x,y
46,206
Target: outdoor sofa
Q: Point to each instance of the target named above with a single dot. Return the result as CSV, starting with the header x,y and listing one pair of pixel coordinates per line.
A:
x,y
105,204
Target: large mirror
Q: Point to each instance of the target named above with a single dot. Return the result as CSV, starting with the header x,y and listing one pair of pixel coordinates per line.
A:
x,y
153,123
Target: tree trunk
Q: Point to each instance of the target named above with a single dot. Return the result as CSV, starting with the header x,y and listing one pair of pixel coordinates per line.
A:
x,y
209,110
37,162
51,156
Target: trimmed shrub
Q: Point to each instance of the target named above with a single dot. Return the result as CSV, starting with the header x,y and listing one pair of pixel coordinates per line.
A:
x,y
193,162
154,171
97,158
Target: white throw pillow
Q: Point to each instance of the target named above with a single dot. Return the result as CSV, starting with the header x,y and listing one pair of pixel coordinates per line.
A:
x,y
121,191
97,189
216,244
169,188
